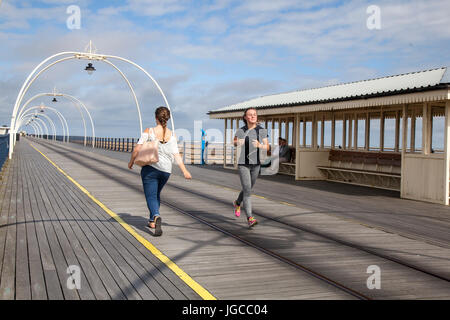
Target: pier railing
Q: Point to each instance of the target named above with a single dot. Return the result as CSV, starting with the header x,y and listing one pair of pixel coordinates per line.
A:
x,y
4,148
191,151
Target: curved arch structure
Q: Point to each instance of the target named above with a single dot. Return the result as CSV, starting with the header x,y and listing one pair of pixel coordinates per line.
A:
x,y
43,115
32,118
64,56
63,121
36,130
33,127
76,103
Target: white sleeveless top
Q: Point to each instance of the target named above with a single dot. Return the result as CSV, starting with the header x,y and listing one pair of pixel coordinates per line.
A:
x,y
166,151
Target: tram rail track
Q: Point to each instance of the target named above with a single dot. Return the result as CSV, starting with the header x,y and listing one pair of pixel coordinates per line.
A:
x,y
313,273
330,238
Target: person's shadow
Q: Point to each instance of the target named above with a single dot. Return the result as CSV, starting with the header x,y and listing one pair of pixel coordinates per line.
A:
x,y
138,222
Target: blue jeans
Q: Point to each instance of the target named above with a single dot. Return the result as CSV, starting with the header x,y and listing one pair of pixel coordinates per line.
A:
x,y
153,181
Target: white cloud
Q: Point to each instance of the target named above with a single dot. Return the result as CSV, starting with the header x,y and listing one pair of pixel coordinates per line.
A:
x,y
222,52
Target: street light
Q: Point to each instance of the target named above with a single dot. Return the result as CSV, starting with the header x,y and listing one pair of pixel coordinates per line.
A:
x,y
89,68
54,100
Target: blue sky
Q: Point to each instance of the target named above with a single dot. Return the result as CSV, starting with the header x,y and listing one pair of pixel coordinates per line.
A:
x,y
209,54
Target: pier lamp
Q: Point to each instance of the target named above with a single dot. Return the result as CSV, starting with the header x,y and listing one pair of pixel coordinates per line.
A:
x,y
89,68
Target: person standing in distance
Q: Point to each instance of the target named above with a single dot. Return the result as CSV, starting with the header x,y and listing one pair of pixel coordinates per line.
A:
x,y
251,139
155,176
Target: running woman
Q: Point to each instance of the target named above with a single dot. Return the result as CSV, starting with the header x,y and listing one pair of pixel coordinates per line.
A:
x,y
155,176
250,139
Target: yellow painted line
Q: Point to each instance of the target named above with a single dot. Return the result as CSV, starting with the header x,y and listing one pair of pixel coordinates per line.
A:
x,y
261,197
287,203
202,292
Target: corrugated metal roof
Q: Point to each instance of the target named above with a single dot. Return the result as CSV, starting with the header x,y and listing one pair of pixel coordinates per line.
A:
x,y
446,76
379,86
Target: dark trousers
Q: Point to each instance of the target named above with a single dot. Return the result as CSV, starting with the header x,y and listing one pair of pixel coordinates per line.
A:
x,y
248,175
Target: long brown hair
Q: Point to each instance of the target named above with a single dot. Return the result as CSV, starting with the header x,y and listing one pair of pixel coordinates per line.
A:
x,y
163,115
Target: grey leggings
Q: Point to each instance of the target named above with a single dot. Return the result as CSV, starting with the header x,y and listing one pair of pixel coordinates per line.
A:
x,y
248,174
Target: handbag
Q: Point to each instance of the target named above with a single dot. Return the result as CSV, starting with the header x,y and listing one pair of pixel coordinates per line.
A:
x,y
148,154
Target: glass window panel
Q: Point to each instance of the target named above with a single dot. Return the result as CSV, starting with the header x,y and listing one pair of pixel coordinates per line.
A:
x,y
437,134
361,133
374,143
308,133
389,134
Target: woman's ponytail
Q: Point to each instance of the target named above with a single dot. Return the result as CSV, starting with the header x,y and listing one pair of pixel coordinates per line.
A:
x,y
163,115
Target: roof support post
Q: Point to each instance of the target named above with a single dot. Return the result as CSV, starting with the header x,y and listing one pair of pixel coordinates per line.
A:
x,y
333,130
344,131
397,131
404,146
367,135
314,131
412,146
447,153
286,131
224,144
297,146
355,133
235,154
425,131
296,141
381,130
273,132
322,135
404,129
304,132
350,132
279,127
294,131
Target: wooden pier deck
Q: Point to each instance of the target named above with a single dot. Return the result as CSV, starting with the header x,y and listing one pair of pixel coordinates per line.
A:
x,y
47,223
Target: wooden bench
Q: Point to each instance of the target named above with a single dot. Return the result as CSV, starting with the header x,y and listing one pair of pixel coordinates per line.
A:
x,y
383,173
288,168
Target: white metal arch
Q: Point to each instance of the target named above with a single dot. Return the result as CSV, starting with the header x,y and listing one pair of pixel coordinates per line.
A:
x,y
46,117
72,55
32,118
44,125
39,129
61,118
33,127
36,131
76,103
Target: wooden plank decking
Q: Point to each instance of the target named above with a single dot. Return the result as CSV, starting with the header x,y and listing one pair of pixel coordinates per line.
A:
x,y
47,221
230,269
47,225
